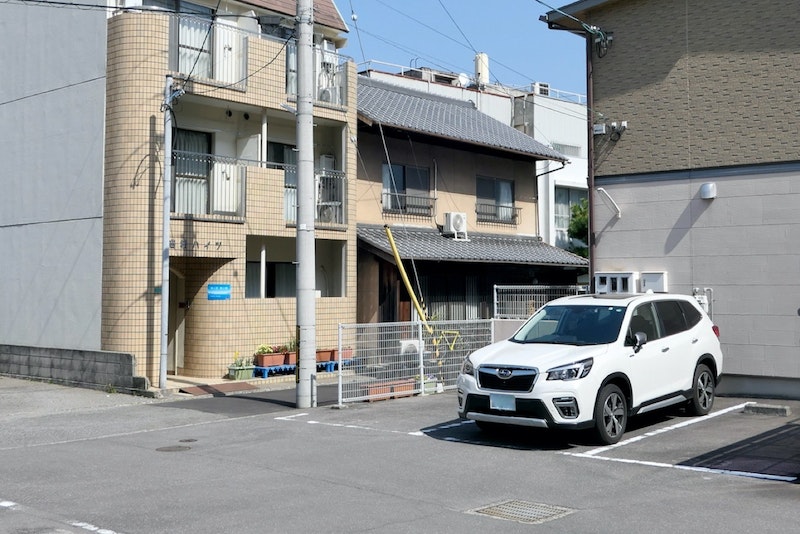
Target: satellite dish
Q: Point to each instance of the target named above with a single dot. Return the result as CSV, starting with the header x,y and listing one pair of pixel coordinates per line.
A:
x,y
463,80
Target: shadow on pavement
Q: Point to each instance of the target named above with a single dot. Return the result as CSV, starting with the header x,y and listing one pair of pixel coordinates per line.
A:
x,y
775,453
257,402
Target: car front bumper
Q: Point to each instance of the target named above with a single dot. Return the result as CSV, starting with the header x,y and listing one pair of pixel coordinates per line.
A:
x,y
538,408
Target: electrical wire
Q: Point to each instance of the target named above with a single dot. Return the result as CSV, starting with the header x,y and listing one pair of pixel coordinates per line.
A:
x,y
53,90
403,226
435,61
458,27
238,82
202,46
354,18
602,39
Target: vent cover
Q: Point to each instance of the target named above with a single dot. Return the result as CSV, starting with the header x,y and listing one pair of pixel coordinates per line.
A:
x,y
524,512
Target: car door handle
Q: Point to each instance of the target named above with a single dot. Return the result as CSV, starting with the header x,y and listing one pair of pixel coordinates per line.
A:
x,y
665,349
695,340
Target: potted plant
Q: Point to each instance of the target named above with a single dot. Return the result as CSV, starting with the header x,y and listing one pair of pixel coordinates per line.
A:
x,y
268,356
290,352
241,368
347,354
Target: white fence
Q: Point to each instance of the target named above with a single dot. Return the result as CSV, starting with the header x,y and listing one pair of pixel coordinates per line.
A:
x,y
520,302
388,360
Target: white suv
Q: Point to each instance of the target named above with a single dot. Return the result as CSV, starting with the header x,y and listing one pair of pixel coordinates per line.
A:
x,y
593,361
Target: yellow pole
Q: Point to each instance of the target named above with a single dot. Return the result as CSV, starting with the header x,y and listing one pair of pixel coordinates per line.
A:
x,y
404,276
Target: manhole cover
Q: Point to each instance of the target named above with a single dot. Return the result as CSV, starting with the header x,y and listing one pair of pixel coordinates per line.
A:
x,y
173,448
524,512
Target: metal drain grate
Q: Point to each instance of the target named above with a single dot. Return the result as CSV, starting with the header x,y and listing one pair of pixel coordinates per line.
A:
x,y
524,512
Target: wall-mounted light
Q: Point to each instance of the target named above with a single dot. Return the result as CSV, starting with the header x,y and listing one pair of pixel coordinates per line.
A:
x,y
708,191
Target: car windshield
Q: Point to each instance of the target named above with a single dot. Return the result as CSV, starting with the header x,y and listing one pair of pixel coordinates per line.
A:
x,y
572,325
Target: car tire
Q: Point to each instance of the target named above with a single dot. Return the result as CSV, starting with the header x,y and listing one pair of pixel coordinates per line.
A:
x,y
702,391
610,414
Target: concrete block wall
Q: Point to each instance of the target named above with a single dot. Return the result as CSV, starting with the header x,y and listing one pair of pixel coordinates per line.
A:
x,y
84,368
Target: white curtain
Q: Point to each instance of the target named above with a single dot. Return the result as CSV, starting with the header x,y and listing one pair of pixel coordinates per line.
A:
x,y
505,200
192,168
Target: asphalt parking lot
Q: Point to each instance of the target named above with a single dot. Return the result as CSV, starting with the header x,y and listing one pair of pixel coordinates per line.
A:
x,y
79,460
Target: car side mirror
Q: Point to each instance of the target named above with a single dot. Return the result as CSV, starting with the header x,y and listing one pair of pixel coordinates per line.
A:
x,y
639,339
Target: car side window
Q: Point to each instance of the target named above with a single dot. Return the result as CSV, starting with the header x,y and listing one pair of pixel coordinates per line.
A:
x,y
691,313
643,320
671,315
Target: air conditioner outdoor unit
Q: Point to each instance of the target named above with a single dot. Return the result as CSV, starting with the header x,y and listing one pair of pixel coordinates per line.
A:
x,y
329,95
327,161
455,223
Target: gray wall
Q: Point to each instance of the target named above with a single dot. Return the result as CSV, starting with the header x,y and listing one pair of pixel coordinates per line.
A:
x,y
742,244
52,107
706,102
112,371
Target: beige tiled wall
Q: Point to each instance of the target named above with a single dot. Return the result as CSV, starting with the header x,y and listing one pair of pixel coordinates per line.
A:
x,y
214,330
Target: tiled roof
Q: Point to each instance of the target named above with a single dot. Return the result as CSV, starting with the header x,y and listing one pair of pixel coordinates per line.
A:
x,y
429,245
448,118
325,11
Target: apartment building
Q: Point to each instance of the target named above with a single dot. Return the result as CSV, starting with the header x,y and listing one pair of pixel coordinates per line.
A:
x,y
82,223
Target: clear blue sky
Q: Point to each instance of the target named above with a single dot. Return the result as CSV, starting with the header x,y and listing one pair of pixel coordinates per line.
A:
x,y
446,34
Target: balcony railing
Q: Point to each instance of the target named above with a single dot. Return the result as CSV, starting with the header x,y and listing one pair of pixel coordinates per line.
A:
x,y
208,185
330,196
330,75
401,203
209,51
497,213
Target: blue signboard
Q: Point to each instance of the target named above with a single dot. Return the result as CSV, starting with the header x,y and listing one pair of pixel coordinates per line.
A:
x,y
219,291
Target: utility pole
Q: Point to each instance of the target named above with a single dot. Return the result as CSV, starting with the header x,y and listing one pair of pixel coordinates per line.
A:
x,y
170,95
306,206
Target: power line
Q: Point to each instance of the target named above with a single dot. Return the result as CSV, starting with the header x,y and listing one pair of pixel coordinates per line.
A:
x,y
458,27
435,61
53,90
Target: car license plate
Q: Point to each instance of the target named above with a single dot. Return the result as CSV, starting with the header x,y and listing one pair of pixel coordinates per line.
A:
x,y
506,403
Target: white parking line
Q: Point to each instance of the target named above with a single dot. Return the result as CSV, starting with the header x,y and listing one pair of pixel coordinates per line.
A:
x,y
10,505
595,453
763,476
356,427
682,424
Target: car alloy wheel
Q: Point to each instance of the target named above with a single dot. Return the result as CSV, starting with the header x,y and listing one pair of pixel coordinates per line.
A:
x,y
610,414
702,391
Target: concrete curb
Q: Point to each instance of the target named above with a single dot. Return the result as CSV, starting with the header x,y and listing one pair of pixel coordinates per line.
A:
x,y
767,409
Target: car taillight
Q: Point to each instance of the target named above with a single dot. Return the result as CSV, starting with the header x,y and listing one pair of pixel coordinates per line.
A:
x,y
715,328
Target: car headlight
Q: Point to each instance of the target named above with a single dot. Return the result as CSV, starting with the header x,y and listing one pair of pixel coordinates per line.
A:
x,y
572,371
466,367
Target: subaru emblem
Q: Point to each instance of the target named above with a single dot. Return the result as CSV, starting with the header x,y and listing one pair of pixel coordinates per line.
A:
x,y
505,374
